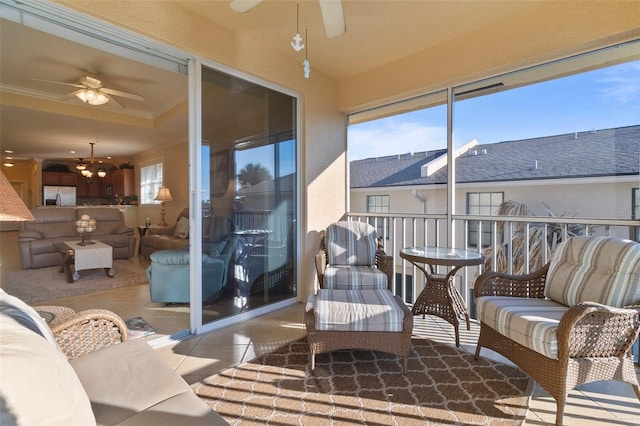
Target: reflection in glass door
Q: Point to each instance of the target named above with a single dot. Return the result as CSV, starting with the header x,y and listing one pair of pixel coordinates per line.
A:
x,y
249,180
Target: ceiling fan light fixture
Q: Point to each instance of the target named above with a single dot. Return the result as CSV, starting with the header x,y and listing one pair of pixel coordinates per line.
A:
x,y
102,172
86,173
92,97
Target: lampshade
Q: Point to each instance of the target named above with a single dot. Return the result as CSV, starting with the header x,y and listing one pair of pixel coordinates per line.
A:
x,y
102,172
163,194
12,208
81,165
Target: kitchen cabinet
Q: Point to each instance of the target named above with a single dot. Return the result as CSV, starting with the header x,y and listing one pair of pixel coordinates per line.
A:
x,y
123,182
59,179
89,189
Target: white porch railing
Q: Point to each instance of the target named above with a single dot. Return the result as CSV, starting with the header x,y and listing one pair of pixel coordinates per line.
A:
x,y
399,231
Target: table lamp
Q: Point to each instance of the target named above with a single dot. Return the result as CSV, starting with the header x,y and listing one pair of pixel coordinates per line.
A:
x,y
12,208
163,196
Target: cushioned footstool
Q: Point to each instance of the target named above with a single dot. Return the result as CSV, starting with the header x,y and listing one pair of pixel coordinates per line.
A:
x,y
358,319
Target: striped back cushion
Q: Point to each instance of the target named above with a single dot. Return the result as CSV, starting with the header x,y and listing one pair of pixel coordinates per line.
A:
x,y
597,269
351,243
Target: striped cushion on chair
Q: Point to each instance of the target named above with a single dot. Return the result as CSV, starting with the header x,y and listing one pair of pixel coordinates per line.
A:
x,y
533,323
356,310
354,278
597,269
351,243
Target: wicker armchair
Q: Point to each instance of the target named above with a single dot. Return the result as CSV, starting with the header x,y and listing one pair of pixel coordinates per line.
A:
x,y
580,320
88,331
354,308
356,266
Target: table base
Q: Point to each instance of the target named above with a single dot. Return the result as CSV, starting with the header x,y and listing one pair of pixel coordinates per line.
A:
x,y
441,298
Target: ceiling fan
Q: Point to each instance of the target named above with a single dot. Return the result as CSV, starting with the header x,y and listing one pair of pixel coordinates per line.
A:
x,y
332,14
91,91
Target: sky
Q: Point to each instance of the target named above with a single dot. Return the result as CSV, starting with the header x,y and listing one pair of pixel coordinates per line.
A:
x,y
600,99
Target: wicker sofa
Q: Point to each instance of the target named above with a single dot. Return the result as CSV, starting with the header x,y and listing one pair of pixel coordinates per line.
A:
x,y
58,224
571,322
84,371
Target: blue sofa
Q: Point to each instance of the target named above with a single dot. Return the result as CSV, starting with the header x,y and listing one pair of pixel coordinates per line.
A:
x,y
168,273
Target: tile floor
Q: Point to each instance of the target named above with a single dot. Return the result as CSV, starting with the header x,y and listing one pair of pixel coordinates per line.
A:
x,y
600,403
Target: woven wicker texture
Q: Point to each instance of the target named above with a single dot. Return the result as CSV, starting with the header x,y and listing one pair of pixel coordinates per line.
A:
x,y
594,341
384,262
397,343
442,298
89,331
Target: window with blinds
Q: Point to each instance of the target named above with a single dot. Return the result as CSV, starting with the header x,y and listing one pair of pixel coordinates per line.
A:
x,y
150,181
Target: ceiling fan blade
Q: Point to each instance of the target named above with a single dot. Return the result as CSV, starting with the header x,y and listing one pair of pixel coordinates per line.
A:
x,y
244,6
112,99
122,94
71,95
59,82
333,17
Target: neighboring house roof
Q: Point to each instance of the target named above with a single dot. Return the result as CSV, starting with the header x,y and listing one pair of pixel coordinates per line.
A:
x,y
269,186
608,152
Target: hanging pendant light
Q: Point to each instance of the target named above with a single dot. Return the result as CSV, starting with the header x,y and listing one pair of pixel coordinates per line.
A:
x,y
81,165
89,172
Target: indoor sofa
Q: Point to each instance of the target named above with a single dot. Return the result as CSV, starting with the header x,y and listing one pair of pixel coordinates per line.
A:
x,y
58,224
168,273
176,237
84,371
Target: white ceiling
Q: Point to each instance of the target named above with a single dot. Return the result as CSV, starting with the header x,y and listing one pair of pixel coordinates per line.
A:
x,y
31,130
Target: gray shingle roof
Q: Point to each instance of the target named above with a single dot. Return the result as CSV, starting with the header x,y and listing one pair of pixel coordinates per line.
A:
x,y
608,152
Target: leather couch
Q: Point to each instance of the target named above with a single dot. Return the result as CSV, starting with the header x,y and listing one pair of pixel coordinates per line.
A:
x,y
58,224
168,273
164,238
121,382
214,228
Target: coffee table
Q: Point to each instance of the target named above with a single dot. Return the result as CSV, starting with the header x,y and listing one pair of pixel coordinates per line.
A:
x,y
76,258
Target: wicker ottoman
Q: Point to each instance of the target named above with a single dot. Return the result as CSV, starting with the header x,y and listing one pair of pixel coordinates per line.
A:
x,y
356,334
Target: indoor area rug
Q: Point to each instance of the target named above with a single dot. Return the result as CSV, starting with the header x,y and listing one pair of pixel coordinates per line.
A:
x,y
443,385
137,328
41,284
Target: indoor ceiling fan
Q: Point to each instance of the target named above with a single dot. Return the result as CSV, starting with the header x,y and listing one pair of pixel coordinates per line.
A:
x,y
332,14
91,91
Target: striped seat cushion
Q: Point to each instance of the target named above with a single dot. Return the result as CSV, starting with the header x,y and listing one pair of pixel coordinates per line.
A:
x,y
533,323
354,278
351,243
356,310
597,269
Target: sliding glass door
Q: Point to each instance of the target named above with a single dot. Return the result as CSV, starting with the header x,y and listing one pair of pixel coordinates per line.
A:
x,y
248,194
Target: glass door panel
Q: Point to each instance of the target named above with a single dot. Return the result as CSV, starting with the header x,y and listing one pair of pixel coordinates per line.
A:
x,y
249,178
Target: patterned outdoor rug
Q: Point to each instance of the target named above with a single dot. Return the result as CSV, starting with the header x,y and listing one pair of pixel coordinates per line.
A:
x,y
38,285
443,385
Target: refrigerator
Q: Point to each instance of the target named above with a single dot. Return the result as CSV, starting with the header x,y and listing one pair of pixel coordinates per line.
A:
x,y
59,195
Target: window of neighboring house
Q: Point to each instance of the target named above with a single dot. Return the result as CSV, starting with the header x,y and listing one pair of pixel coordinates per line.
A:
x,y
151,174
635,199
485,204
379,204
